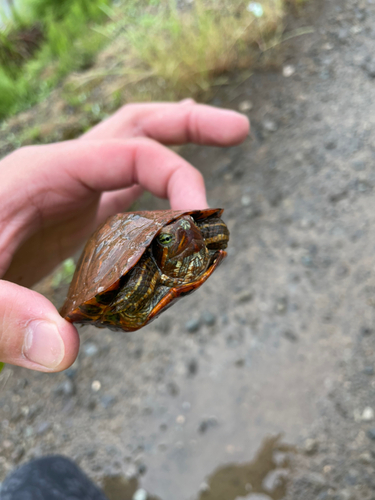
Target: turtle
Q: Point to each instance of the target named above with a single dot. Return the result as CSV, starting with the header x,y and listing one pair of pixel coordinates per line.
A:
x,y
138,264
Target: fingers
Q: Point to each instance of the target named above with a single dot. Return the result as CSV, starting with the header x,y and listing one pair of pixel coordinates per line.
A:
x,y
32,333
112,165
76,168
174,123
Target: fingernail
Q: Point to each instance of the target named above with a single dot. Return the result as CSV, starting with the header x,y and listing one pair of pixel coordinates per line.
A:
x,y
43,344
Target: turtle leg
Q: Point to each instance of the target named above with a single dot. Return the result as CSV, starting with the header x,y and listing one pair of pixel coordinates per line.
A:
x,y
136,295
214,232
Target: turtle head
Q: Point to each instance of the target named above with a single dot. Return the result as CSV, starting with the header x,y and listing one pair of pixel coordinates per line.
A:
x,y
180,251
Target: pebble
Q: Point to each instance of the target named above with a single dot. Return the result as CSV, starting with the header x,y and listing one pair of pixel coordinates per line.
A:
x,y
66,388
365,458
140,495
269,125
244,296
180,419
366,331
108,400
90,349
208,318
131,472
368,370
192,325
291,336
17,454
370,68
245,106
245,200
371,433
173,389
288,70
192,367
275,479
311,446
43,428
207,423
368,414
96,386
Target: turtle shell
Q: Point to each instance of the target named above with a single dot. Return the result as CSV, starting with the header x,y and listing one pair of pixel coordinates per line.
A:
x,y
112,251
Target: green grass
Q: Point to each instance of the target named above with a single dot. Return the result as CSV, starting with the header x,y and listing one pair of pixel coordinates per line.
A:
x,y
168,52
187,49
68,42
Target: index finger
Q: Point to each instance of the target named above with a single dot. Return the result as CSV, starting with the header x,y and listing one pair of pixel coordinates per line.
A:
x,y
174,123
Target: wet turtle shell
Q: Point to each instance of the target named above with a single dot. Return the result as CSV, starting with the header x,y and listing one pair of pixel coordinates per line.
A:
x,y
117,266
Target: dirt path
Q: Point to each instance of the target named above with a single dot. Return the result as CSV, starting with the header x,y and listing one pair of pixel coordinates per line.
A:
x,y
280,341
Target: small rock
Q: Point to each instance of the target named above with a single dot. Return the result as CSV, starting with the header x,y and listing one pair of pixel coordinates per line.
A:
x,y
90,349
366,331
90,403
371,433
244,296
281,305
17,454
180,419
96,386
43,428
208,318
343,35
192,367
193,325
291,336
370,68
240,362
173,389
107,401
288,70
245,200
140,495
204,488
142,469
368,370
365,458
330,144
368,414
131,472
207,423
274,479
66,388
269,125
245,106
311,446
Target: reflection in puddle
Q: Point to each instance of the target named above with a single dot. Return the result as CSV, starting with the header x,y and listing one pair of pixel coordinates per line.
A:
x,y
265,477
266,474
119,488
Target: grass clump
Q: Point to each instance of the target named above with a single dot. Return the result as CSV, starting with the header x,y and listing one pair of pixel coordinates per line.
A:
x,y
44,42
186,48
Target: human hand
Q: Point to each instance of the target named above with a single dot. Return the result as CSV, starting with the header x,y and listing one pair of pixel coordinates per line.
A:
x,y
54,196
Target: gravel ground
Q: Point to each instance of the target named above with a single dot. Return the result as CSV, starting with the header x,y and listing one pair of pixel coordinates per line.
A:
x,y
261,385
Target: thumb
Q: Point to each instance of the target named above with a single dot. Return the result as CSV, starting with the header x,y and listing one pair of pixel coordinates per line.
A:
x,y
32,333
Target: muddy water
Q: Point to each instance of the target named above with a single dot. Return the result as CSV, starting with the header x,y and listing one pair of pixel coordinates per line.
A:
x,y
266,474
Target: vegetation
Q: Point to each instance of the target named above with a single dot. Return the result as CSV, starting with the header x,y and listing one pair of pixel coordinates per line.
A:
x,y
167,49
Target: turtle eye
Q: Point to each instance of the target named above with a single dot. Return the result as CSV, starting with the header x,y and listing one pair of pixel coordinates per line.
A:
x,y
165,239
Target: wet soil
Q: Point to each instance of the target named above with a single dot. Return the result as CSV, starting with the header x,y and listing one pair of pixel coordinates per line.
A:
x,y
261,385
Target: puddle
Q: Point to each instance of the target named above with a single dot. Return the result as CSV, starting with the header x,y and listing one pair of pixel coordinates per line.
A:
x,y
266,475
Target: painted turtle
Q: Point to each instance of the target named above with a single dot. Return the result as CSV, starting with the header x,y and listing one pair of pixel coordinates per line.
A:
x,y
138,264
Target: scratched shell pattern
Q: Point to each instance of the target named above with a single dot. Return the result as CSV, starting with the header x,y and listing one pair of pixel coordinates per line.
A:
x,y
115,247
